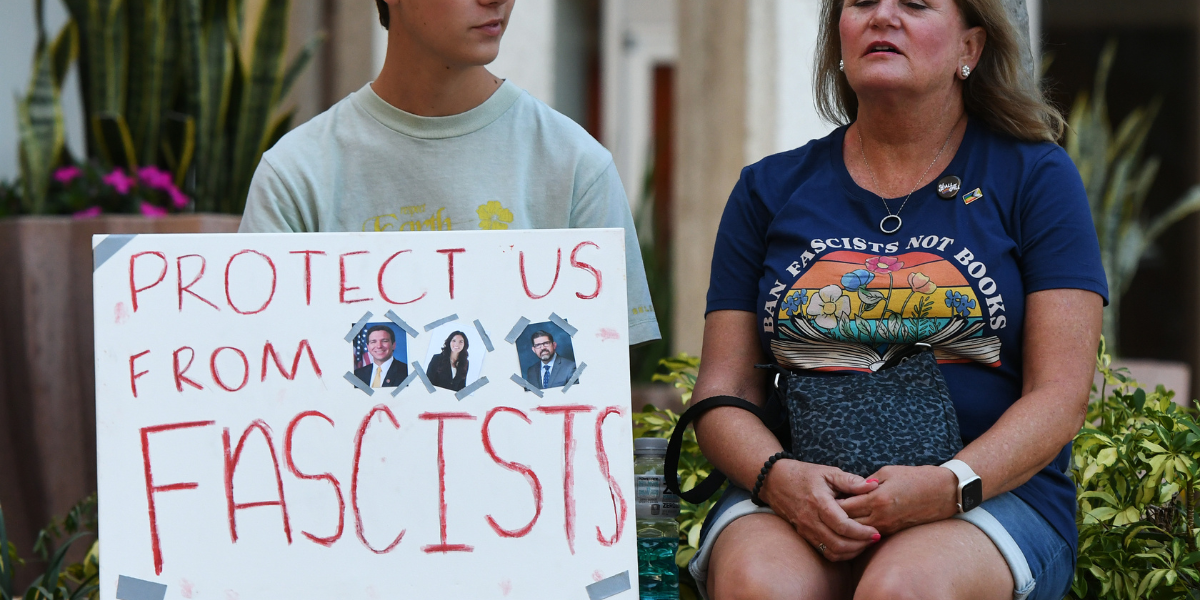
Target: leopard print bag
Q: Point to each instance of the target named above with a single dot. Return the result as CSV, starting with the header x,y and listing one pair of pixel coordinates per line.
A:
x,y
899,415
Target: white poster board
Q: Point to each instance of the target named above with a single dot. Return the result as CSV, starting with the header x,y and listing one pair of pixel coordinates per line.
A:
x,y
243,453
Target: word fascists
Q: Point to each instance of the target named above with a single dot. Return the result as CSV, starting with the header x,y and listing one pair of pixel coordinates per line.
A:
x,y
382,416
149,269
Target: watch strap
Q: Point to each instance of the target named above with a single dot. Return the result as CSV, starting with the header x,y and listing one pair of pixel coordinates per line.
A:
x,y
961,470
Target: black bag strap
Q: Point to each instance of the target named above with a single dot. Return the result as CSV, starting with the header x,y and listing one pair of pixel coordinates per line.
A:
x,y
704,489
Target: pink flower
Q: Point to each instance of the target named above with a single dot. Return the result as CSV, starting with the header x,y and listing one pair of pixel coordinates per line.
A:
x,y
156,178
152,211
178,198
67,174
884,264
119,181
87,213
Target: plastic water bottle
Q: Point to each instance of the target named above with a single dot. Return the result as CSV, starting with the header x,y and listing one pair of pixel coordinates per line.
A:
x,y
657,529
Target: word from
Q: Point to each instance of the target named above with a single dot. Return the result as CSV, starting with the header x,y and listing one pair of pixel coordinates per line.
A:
x,y
227,383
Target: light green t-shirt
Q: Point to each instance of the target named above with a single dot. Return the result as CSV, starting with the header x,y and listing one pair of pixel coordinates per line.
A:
x,y
509,163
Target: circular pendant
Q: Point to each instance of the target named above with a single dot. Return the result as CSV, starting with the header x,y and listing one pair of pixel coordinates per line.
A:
x,y
890,224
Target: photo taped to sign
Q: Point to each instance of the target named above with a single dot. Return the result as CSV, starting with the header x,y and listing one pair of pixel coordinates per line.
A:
x,y
381,355
455,356
546,354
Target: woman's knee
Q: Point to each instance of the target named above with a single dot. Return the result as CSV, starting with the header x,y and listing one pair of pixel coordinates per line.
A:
x,y
895,581
763,558
740,579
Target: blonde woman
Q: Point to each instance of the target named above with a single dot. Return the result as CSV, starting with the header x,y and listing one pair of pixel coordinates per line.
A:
x,y
941,212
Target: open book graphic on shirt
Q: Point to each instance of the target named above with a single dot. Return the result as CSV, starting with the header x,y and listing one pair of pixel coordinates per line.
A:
x,y
801,345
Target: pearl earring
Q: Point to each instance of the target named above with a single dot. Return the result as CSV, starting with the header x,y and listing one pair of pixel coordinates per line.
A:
x,y
842,65
966,71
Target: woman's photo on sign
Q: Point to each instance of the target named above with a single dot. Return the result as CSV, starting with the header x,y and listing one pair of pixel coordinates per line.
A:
x,y
455,356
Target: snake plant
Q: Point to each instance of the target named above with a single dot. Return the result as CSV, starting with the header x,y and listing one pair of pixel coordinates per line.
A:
x,y
182,85
39,113
1118,176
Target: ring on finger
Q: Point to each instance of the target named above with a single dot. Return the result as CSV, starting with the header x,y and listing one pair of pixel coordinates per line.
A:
x,y
822,548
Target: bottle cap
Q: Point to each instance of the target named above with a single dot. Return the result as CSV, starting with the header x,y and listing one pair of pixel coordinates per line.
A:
x,y
650,446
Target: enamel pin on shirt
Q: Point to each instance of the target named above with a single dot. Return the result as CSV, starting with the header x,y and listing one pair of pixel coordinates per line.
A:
x,y
948,186
973,196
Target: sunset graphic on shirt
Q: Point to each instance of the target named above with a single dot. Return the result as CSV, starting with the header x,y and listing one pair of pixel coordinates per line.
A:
x,y
853,310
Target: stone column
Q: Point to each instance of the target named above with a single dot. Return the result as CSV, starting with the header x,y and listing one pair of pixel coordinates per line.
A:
x,y
710,138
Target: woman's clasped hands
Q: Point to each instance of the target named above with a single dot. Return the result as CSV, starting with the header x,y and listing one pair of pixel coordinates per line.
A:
x,y
841,514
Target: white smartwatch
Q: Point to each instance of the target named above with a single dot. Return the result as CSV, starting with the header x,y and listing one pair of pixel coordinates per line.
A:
x,y
970,486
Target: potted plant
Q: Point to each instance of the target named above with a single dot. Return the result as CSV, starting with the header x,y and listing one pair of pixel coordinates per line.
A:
x,y
181,98
1135,468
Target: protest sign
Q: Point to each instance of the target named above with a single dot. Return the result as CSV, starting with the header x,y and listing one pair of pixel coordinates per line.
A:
x,y
364,416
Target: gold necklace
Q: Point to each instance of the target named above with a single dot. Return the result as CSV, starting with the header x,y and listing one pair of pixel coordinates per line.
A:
x,y
895,217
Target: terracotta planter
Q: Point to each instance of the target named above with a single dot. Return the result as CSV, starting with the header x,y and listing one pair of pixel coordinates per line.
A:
x,y
47,385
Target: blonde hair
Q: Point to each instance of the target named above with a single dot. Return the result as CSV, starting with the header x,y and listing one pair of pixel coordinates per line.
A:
x,y
1000,91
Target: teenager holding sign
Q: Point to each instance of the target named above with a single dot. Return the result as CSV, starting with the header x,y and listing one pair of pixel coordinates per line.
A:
x,y
437,142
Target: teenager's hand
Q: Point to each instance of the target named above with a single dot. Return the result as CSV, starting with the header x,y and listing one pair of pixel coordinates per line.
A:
x,y
806,495
905,497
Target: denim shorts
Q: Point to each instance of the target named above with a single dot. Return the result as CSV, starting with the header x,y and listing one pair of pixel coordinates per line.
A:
x,y
1042,563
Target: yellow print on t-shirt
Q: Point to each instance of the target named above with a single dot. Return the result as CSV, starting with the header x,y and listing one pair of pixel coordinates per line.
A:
x,y
493,215
404,222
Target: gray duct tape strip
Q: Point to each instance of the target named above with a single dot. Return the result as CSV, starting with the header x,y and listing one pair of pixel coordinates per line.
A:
x,y
512,336
487,341
441,321
358,383
606,588
470,389
561,322
108,247
398,321
517,379
403,384
358,327
424,378
574,377
129,588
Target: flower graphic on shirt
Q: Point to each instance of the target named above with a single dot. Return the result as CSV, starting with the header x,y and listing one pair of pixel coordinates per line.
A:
x,y
960,303
884,264
493,215
828,305
856,279
920,283
794,301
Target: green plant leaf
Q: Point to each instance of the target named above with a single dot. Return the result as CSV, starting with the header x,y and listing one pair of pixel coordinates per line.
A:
x,y
261,84
41,132
300,63
114,140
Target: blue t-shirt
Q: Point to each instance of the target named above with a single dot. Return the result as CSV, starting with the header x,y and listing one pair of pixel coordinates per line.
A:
x,y
800,246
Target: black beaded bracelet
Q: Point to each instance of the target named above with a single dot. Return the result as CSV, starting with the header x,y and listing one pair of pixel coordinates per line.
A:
x,y
762,476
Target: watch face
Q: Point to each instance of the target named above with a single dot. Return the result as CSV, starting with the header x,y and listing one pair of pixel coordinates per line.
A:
x,y
972,494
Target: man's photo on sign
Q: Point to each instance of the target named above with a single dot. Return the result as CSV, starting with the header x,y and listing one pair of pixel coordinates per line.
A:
x,y
546,355
381,355
455,356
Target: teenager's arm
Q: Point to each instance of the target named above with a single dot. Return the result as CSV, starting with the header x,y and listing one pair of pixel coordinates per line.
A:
x,y
270,207
602,203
